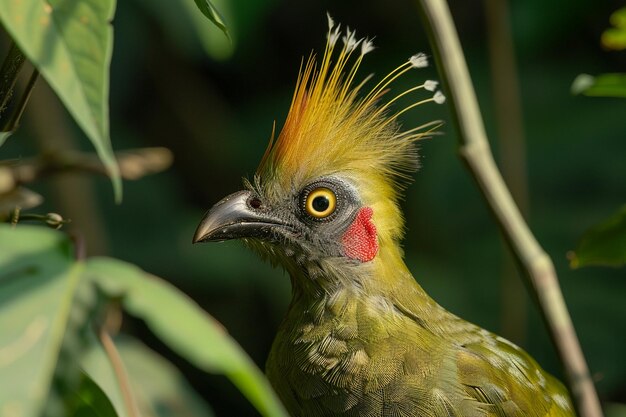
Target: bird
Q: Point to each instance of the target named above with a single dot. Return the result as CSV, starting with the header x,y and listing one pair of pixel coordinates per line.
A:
x,y
361,337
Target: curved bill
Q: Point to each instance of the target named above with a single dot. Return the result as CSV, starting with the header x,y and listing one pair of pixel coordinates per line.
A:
x,y
234,218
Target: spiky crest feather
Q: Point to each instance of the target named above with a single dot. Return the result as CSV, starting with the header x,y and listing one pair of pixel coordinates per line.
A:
x,y
330,129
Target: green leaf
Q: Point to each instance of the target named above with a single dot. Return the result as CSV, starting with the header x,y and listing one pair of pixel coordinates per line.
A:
x,y
605,85
214,43
211,13
615,37
70,42
90,401
180,323
38,278
603,244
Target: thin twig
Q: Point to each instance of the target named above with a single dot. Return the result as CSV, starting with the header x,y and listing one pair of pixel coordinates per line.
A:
x,y
134,164
53,220
120,373
474,148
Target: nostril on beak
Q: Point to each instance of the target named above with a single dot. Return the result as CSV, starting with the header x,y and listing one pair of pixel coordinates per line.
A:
x,y
255,203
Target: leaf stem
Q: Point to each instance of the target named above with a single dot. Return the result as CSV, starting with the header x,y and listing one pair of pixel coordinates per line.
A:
x,y
474,149
120,373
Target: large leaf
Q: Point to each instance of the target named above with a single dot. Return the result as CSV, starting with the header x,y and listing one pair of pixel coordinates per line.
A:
x,y
605,85
38,279
603,244
185,327
70,42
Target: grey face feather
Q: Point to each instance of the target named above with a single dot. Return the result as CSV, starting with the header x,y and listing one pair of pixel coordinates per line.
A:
x,y
306,235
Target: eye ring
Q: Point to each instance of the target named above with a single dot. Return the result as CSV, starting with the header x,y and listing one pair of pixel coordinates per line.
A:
x,y
320,203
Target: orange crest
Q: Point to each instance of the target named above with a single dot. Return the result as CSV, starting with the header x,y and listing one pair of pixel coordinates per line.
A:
x,y
333,128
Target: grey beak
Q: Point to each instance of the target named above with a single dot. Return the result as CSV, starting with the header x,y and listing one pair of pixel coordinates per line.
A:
x,y
234,218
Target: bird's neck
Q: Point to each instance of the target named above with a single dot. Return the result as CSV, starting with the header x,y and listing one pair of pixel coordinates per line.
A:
x,y
358,307
386,277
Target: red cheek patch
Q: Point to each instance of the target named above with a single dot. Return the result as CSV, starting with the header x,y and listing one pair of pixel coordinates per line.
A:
x,y
360,240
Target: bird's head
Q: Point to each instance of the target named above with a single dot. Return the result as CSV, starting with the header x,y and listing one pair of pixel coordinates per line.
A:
x,y
326,191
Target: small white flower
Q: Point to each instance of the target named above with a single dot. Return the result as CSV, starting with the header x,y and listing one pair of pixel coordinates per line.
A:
x,y
331,22
367,46
430,85
349,40
439,98
419,60
333,35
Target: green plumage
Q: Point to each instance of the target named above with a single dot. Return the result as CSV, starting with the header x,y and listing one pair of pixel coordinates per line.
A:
x,y
361,337
398,353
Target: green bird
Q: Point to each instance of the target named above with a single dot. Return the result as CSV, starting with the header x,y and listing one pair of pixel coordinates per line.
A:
x,y
361,337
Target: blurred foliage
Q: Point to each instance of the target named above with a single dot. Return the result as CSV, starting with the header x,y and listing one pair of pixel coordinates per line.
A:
x,y
48,306
212,14
215,112
615,410
615,37
187,25
180,323
159,388
35,301
89,400
604,244
71,45
162,391
605,85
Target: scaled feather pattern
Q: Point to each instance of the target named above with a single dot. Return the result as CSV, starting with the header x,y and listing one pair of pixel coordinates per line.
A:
x,y
361,337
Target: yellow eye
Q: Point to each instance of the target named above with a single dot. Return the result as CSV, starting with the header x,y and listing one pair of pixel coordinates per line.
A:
x,y
320,203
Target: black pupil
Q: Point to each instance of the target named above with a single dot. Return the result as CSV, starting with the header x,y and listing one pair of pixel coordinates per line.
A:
x,y
320,203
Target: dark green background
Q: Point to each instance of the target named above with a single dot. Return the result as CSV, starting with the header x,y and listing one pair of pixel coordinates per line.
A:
x,y
216,116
